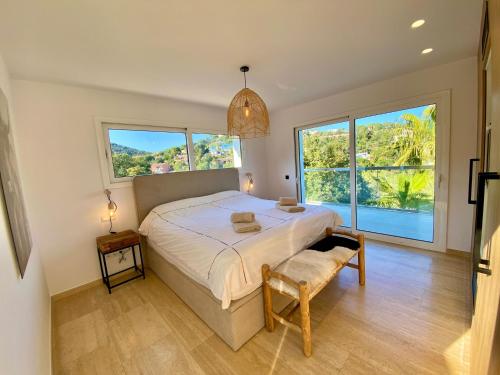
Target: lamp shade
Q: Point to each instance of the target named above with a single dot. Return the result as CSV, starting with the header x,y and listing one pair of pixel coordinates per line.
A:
x,y
247,115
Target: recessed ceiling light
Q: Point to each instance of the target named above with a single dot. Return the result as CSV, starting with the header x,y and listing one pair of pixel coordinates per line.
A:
x,y
426,51
417,24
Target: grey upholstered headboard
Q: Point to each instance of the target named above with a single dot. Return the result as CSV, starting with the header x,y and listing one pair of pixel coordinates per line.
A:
x,y
151,191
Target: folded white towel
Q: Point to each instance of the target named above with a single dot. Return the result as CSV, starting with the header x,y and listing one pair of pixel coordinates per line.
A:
x,y
290,209
242,217
246,227
288,201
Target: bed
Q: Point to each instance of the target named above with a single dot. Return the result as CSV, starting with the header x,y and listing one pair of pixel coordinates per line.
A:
x,y
192,247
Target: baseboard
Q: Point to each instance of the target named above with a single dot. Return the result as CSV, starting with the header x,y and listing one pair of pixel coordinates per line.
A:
x,y
458,253
81,288
51,339
72,291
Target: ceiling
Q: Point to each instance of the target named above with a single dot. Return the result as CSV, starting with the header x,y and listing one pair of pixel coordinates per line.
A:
x,y
298,50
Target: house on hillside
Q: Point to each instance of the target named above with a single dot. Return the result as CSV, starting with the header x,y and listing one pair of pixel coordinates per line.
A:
x,y
159,168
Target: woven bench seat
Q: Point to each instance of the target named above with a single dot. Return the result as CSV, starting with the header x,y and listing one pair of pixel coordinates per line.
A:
x,y
316,268
302,277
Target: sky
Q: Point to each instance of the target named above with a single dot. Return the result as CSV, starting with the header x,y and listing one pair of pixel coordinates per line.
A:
x,y
150,141
199,137
363,121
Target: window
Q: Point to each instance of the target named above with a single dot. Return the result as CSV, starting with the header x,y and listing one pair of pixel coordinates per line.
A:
x,y
384,170
213,151
136,150
324,166
143,152
395,179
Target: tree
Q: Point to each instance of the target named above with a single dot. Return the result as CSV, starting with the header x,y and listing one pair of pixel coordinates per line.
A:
x,y
214,151
406,190
122,162
416,139
137,171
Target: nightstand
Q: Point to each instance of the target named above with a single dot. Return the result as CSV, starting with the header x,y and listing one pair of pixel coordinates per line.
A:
x,y
112,243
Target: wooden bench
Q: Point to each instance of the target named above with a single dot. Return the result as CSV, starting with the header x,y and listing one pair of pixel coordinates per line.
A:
x,y
302,277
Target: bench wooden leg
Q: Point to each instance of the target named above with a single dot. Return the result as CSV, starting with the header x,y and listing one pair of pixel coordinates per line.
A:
x,y
361,259
361,253
305,318
268,299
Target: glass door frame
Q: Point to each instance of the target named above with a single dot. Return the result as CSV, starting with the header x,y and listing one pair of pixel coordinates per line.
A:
x,y
442,100
299,158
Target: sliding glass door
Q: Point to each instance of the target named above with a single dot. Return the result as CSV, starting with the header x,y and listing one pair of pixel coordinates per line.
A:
x,y
395,157
324,167
384,171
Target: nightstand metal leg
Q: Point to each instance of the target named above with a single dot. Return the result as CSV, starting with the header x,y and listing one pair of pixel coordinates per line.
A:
x,y
107,274
142,262
135,260
100,265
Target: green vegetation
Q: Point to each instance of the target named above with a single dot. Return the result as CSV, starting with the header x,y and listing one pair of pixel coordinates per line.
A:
x,y
210,152
119,149
401,147
405,190
214,152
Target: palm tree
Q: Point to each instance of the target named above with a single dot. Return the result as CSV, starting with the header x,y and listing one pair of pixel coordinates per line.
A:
x,y
405,191
416,139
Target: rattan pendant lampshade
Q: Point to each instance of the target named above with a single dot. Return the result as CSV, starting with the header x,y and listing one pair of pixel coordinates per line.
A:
x,y
247,115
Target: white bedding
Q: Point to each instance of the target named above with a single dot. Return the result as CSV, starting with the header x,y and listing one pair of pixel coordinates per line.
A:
x,y
196,236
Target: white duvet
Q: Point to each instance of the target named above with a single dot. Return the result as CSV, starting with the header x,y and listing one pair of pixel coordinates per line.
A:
x,y
196,236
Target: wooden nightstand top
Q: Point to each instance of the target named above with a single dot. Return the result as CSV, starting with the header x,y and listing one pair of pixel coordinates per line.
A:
x,y
117,241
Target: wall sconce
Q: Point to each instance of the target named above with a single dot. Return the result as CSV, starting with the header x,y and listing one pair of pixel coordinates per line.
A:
x,y
250,182
112,208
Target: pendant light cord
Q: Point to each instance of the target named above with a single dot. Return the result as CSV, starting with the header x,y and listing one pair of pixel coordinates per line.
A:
x,y
245,76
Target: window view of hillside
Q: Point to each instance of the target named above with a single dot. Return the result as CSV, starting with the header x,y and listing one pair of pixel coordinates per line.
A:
x,y
326,163
395,159
395,156
139,152
216,151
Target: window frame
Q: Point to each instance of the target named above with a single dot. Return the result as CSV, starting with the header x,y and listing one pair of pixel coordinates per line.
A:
x,y
102,126
442,100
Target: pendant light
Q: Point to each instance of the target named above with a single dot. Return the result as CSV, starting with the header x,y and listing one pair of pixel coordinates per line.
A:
x,y
247,115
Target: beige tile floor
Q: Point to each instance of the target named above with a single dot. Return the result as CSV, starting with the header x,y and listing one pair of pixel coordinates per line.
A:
x,y
412,317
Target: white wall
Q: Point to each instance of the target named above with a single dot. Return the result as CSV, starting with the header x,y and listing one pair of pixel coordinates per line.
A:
x,y
58,151
25,303
459,77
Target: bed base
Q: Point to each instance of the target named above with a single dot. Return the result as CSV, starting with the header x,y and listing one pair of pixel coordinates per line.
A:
x,y
235,325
